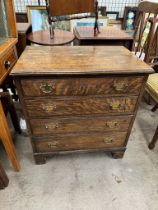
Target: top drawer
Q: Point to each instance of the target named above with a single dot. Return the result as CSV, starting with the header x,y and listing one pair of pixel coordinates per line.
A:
x,y
82,86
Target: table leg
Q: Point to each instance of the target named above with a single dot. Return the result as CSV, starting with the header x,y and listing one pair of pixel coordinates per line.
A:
x,y
154,140
7,141
3,178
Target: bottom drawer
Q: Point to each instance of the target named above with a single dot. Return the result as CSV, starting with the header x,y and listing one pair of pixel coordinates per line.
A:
x,y
81,142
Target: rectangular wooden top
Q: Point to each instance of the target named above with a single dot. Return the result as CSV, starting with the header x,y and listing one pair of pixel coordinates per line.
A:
x,y
107,33
23,27
72,60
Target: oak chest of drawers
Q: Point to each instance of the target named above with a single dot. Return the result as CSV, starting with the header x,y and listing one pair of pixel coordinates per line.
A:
x,y
79,98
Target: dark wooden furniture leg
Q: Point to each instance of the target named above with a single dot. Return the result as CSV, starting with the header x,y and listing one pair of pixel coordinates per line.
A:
x,y
118,154
154,140
6,138
3,178
9,83
154,108
40,159
8,106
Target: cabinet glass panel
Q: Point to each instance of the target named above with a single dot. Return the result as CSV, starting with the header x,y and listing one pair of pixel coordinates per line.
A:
x,y
4,26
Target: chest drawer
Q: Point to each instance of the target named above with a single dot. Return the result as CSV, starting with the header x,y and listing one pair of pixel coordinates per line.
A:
x,y
72,125
82,86
82,106
81,142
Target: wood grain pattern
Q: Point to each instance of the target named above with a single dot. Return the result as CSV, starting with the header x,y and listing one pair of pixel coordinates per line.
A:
x,y
65,125
8,54
8,57
78,60
7,141
107,33
79,98
82,86
7,51
42,37
82,106
6,46
108,36
11,18
81,142
68,7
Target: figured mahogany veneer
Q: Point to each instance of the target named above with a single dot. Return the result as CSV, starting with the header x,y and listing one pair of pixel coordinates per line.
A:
x,y
79,87
79,98
67,125
80,106
80,142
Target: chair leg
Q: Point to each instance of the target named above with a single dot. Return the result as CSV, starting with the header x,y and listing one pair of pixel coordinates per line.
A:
x,y
154,140
14,116
5,136
3,178
7,102
154,108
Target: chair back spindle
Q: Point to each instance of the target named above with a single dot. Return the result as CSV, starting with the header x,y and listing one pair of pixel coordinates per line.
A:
x,y
145,30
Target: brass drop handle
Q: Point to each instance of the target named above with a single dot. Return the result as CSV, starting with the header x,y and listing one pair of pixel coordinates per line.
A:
x,y
108,141
115,105
120,85
7,64
112,124
52,144
51,126
47,88
49,107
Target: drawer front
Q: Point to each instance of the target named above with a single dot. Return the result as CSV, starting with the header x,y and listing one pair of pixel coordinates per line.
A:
x,y
82,106
72,125
82,86
8,61
81,142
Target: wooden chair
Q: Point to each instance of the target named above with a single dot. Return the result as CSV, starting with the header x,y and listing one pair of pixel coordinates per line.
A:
x,y
143,41
6,105
152,89
146,47
59,10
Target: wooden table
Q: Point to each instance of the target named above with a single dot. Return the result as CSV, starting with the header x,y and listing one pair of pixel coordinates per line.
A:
x,y
108,36
61,37
23,30
79,97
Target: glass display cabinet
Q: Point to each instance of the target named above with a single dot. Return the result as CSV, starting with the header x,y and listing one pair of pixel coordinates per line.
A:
x,y
8,57
8,38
